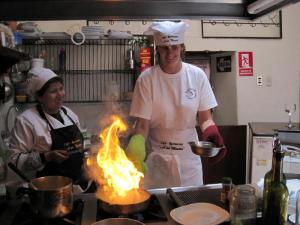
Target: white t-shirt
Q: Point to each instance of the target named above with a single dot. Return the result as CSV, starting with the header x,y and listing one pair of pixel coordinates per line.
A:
x,y
171,101
31,135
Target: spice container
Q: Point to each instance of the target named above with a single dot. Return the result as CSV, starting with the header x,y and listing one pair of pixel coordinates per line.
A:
x,y
226,187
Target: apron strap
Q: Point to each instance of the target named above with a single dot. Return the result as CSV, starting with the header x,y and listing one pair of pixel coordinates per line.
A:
x,y
65,112
42,114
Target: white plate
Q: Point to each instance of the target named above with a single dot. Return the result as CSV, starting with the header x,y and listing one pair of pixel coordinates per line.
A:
x,y
292,218
199,214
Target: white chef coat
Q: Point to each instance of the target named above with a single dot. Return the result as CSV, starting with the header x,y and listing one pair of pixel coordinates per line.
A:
x,y
31,136
171,103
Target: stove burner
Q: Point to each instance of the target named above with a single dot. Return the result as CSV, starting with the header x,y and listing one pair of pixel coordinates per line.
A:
x,y
154,213
26,216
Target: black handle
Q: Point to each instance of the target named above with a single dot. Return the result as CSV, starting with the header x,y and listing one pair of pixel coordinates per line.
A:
x,y
17,171
174,197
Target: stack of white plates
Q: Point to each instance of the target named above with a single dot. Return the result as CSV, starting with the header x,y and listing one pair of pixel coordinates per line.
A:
x,y
93,32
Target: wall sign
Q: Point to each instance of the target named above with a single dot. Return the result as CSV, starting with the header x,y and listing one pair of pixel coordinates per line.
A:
x,y
245,63
145,58
224,64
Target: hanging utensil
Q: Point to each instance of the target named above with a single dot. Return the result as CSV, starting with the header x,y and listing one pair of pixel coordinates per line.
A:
x,y
6,92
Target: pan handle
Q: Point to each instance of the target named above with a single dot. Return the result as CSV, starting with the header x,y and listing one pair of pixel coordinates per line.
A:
x,y
17,171
172,195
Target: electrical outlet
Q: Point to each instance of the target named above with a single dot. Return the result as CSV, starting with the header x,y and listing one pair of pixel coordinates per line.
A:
x,y
259,80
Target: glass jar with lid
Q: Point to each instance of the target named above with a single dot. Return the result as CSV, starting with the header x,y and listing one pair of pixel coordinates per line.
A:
x,y
243,205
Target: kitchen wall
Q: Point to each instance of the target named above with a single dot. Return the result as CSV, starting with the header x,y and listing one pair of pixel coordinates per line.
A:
x,y
225,89
276,60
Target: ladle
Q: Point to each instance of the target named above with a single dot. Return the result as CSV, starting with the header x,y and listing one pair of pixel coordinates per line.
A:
x,y
21,175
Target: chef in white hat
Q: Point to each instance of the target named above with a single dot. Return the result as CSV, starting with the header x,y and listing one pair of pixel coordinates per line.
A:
x,y
167,101
46,138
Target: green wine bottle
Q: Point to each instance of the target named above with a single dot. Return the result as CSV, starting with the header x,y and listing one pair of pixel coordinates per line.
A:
x,y
277,193
267,181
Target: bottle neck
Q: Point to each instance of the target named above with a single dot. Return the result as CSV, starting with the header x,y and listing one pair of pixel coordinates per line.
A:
x,y
278,167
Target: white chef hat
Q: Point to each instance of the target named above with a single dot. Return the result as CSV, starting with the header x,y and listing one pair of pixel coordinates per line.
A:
x,y
167,32
38,77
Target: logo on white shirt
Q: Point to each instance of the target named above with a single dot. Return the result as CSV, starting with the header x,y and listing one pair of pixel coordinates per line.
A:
x,y
190,93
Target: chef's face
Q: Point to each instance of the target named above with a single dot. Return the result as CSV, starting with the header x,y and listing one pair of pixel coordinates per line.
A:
x,y
169,55
52,99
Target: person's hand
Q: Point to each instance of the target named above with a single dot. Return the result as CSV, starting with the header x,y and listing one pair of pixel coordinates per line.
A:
x,y
136,152
213,135
57,156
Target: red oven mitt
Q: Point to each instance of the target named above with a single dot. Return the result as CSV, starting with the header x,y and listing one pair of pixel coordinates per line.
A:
x,y
213,135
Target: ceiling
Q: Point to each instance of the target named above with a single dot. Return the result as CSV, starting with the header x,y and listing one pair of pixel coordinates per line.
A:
x,y
131,9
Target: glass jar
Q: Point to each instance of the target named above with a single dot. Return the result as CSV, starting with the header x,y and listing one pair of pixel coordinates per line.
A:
x,y
243,205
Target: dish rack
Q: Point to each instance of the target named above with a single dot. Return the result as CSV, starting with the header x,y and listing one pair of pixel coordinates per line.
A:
x,y
96,71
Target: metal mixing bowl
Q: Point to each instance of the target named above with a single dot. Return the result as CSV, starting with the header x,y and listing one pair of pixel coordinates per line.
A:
x,y
205,148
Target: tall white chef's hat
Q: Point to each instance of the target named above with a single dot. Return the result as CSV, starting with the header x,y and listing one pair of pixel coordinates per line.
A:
x,y
167,32
38,77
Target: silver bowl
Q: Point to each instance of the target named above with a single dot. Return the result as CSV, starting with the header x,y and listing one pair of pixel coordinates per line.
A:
x,y
205,148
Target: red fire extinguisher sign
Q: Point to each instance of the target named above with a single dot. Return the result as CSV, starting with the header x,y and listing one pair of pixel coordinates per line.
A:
x,y
145,57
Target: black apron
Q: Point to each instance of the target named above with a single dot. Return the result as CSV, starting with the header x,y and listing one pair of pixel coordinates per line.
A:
x,y
66,138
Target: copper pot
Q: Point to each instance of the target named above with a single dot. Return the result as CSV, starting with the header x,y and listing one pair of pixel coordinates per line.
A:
x,y
50,196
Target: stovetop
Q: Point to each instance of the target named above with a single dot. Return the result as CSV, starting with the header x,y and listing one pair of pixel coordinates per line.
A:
x,y
84,213
26,216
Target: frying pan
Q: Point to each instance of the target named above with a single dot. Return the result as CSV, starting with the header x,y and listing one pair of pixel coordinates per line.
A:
x,y
124,209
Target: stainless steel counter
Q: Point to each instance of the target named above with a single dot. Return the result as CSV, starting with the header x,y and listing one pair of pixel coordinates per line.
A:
x,y
90,205
268,128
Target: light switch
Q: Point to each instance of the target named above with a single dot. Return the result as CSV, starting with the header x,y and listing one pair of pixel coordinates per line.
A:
x,y
259,80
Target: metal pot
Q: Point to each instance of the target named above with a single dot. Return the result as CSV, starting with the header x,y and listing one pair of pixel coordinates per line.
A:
x,y
125,209
51,196
118,221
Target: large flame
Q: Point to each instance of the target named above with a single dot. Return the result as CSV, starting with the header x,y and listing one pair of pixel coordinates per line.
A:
x,y
112,170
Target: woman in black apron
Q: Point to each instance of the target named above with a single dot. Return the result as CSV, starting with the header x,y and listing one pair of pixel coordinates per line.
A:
x,y
68,138
46,138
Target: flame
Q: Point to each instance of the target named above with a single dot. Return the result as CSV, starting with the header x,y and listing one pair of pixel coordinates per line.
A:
x,y
111,169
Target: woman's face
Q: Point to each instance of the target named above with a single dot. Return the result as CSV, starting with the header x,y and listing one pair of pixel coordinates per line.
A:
x,y
169,55
52,99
